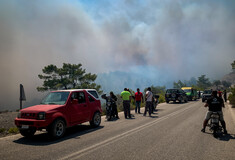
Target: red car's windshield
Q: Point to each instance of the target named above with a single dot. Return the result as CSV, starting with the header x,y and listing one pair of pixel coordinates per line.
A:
x,y
56,98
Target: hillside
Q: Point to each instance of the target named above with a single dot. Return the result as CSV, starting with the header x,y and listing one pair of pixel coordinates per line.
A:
x,y
229,78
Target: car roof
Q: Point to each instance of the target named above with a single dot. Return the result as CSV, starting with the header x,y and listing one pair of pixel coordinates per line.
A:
x,y
186,87
73,90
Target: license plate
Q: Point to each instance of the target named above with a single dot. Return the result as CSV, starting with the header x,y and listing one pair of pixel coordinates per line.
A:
x,y
215,120
24,126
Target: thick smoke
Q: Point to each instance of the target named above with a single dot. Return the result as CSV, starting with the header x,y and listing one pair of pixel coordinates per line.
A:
x,y
154,41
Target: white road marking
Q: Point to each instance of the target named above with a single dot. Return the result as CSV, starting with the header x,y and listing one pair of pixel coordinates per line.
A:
x,y
79,153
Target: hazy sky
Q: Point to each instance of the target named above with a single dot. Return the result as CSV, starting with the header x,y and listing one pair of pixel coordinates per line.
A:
x,y
159,39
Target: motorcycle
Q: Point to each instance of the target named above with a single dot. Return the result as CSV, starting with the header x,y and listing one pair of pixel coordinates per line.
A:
x,y
214,125
109,107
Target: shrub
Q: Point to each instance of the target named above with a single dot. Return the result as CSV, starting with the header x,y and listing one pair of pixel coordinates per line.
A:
x,y
161,98
231,97
13,130
2,130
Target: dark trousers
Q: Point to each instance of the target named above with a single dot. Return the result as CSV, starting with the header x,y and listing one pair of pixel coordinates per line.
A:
x,y
115,111
137,106
126,108
148,107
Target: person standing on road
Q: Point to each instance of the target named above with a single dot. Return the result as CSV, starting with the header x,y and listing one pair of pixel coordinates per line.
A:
x,y
220,93
138,97
149,101
126,97
225,95
115,111
214,104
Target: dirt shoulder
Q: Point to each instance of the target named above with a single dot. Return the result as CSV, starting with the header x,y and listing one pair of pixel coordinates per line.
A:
x,y
7,122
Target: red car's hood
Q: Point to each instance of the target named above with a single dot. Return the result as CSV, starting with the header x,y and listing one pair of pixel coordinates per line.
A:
x,y
41,108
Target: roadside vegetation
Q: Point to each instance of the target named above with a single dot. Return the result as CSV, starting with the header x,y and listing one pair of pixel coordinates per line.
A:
x,y
231,97
13,130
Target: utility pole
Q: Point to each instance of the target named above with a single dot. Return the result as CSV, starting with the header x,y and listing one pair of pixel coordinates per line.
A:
x,y
22,95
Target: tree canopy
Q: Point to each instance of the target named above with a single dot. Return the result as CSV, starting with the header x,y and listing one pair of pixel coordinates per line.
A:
x,y
70,76
179,84
203,82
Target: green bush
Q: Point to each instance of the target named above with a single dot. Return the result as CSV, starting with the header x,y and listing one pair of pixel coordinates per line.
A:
x,y
2,130
231,97
161,98
13,130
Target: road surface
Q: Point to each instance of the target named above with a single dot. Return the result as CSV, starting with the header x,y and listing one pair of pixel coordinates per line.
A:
x,y
172,133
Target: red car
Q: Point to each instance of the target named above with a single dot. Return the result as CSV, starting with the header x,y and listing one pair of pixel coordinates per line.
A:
x,y
59,110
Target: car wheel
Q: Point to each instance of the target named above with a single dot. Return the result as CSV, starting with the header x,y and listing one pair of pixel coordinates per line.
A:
x,y
57,128
186,100
96,120
27,132
167,101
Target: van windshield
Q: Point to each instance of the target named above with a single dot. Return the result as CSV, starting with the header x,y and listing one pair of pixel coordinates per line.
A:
x,y
56,98
187,90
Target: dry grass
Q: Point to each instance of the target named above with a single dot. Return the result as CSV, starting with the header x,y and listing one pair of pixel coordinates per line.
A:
x,y
7,123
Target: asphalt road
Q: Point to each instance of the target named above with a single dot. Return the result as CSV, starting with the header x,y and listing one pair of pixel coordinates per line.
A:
x,y
172,133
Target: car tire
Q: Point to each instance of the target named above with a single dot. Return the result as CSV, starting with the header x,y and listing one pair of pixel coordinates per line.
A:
x,y
167,101
27,132
96,120
57,129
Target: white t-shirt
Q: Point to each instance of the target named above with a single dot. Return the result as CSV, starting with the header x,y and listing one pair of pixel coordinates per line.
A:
x,y
149,96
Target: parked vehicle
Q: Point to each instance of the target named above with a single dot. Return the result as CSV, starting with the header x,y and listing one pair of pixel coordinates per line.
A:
x,y
206,95
59,110
175,95
190,92
214,124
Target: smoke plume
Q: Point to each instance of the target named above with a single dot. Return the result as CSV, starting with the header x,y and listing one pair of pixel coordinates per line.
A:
x,y
140,42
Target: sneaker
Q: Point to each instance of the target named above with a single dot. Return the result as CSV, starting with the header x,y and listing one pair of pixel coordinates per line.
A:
x,y
203,130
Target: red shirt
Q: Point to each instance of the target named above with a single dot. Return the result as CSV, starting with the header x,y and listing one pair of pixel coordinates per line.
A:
x,y
220,93
138,96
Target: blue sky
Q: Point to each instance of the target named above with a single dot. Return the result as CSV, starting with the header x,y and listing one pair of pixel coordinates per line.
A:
x,y
161,39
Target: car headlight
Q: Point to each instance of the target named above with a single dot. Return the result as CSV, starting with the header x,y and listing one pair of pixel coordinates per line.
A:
x,y
41,115
19,115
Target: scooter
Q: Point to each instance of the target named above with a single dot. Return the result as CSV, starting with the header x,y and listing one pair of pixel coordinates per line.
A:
x,y
214,125
109,107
